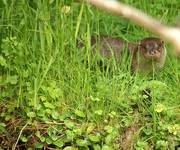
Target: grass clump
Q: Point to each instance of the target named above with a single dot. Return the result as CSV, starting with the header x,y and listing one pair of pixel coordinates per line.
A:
x,y
54,95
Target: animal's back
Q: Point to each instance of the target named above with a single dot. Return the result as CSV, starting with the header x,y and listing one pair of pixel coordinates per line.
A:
x,y
108,47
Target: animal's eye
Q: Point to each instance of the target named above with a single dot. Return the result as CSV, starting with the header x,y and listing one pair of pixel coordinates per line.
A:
x,y
156,46
147,46
159,50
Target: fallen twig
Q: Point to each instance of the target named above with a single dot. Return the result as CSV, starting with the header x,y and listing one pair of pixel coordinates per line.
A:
x,y
170,34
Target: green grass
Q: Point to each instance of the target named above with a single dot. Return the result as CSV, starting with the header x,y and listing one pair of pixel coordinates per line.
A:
x,y
51,97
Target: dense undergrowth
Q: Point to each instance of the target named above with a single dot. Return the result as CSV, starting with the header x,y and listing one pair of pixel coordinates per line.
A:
x,y
54,94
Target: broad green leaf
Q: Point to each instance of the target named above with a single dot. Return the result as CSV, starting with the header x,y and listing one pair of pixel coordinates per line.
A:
x,y
48,111
54,137
77,131
49,105
112,114
51,131
59,143
43,98
37,133
174,129
108,139
42,139
148,131
99,112
2,127
52,84
70,135
7,117
3,61
54,93
106,147
161,144
109,129
55,115
90,128
96,147
24,139
94,99
81,142
49,141
142,144
31,114
69,148
41,113
12,79
80,113
38,145
94,138
69,124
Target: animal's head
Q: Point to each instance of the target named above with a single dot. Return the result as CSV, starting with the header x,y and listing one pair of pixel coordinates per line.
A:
x,y
152,48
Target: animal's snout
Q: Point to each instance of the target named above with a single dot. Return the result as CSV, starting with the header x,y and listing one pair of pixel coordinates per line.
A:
x,y
152,52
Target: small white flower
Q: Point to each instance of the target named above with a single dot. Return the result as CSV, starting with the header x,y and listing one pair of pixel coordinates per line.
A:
x,y
65,9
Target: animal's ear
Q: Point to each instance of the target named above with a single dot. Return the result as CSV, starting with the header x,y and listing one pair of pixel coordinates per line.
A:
x,y
162,42
139,45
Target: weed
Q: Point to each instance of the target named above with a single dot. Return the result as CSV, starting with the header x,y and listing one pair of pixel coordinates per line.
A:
x,y
54,95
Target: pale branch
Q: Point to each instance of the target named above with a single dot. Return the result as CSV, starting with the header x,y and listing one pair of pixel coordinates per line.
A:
x,y
170,34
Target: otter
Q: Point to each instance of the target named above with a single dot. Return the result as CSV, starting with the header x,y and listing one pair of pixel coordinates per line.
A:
x,y
149,54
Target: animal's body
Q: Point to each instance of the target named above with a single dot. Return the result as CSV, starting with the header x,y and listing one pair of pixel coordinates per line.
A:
x,y
147,55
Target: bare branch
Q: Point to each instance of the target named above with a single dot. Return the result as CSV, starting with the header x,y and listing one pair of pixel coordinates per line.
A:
x,y
167,33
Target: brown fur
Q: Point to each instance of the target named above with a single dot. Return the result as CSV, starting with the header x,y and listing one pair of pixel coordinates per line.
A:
x,y
147,55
